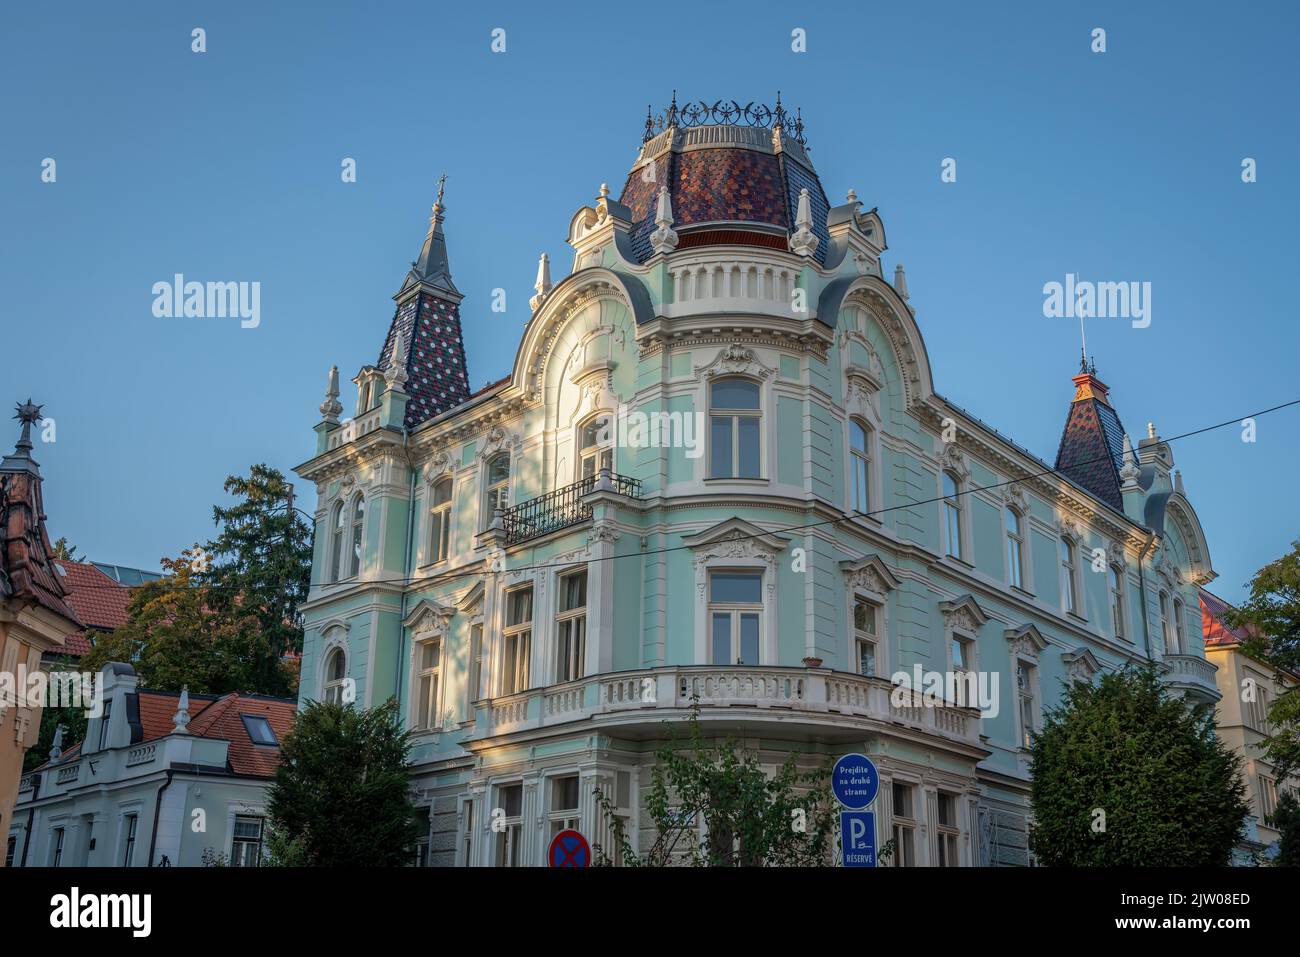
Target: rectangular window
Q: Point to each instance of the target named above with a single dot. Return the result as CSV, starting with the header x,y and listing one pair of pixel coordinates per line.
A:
x,y
246,845
105,723
1025,693
1117,601
866,635
735,422
1015,549
511,802
564,804
1068,599
259,729
429,685
517,641
1267,798
571,624
904,829
474,682
952,515
58,847
948,831
128,852
735,611
10,849
467,836
440,521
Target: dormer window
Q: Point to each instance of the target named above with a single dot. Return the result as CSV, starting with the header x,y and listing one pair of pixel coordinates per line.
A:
x,y
259,730
104,723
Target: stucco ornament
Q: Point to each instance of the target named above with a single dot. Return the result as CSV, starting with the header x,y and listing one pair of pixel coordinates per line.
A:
x,y
734,360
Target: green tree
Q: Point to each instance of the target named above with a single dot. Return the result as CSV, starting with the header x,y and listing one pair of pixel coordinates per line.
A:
x,y
751,819
1124,774
174,638
260,564
341,796
72,718
1286,818
65,551
1271,619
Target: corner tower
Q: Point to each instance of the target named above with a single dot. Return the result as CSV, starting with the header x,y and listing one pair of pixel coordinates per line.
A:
x,y
428,318
1091,453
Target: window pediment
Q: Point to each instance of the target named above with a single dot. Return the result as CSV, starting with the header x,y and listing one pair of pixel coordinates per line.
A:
x,y
963,614
1081,664
429,617
870,574
1026,641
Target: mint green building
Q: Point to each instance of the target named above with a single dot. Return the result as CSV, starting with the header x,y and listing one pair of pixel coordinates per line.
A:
x,y
720,468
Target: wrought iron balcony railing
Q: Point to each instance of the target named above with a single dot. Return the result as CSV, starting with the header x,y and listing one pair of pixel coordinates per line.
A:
x,y
561,508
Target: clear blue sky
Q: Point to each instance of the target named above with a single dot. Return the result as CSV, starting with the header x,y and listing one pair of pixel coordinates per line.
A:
x,y
225,166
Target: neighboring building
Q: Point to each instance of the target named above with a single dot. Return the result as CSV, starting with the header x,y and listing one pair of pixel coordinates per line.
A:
x,y
541,596
35,617
1249,687
162,778
99,601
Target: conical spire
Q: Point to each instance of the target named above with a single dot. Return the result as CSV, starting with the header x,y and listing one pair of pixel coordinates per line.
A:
x,y
1091,453
431,268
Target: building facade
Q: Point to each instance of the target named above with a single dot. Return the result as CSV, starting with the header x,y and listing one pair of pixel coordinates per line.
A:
x,y
162,779
719,472
35,617
1248,687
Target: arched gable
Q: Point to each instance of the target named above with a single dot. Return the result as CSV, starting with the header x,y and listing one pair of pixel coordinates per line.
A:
x,y
1180,516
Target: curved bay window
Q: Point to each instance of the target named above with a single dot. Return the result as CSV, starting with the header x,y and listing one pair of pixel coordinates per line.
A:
x,y
735,429
496,489
735,613
594,449
860,465
952,514
440,521
336,673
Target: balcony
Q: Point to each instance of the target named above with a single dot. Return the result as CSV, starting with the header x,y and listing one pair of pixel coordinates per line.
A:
x,y
817,699
560,509
1192,674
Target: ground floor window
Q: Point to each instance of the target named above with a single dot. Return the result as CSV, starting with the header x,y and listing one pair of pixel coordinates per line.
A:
x,y
564,804
131,823
904,835
58,847
246,847
948,830
510,799
467,835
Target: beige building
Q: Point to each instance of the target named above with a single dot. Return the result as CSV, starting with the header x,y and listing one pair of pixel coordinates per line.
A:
x,y
34,616
1249,688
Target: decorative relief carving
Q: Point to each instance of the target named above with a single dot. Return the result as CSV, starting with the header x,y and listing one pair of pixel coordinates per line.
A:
x,y
734,360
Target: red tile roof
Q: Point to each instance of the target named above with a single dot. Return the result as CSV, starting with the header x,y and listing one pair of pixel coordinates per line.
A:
x,y
98,600
1213,629
26,568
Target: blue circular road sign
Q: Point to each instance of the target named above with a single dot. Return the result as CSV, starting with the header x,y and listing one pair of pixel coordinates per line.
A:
x,y
855,781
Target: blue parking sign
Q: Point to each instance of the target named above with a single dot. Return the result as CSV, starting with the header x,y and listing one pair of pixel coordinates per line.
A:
x,y
858,838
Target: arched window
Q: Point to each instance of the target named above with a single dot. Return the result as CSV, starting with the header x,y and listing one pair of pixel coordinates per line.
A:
x,y
952,514
1166,631
1117,600
860,465
1015,549
358,521
496,490
338,527
1178,627
595,452
735,423
1069,596
336,672
440,521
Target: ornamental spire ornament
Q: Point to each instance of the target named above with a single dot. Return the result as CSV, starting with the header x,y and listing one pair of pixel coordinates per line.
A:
x,y
543,283
332,408
395,374
900,283
20,459
663,239
1128,473
181,719
803,242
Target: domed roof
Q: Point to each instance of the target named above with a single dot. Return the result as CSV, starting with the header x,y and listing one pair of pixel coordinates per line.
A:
x,y
734,174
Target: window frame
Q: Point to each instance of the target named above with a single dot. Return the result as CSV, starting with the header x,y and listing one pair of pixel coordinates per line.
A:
x,y
596,453
577,619
521,633
1166,624
1026,694
329,684
1117,586
236,841
947,835
496,495
735,415
338,528
130,827
872,638
252,720
1068,566
566,817
508,849
428,704
901,825
954,516
736,610
1017,541
861,463
357,535
438,539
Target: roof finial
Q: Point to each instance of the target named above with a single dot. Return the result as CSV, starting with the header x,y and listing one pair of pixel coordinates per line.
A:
x,y
663,239
20,460
1178,482
1151,430
331,408
803,241
56,749
181,719
543,284
900,283
1128,473
852,196
395,374
435,219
